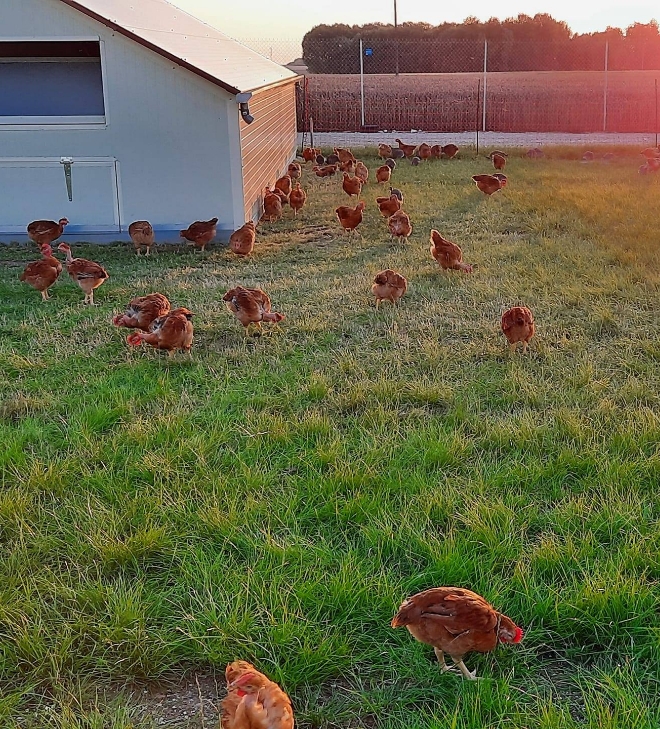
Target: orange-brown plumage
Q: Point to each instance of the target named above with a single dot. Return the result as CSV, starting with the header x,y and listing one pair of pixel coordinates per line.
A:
x,y
362,172
251,306
449,151
255,702
87,274
399,225
448,254
241,241
424,151
294,170
498,159
46,232
489,184
407,149
297,198
143,311
170,332
388,205
436,151
142,235
42,274
201,233
344,154
383,174
272,206
284,184
351,185
389,286
518,326
310,153
350,218
325,170
384,151
455,621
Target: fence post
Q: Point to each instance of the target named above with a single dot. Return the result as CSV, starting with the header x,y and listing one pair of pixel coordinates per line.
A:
x,y
361,82
483,110
607,54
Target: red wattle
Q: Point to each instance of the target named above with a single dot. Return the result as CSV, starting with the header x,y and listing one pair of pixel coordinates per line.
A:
x,y
519,635
241,693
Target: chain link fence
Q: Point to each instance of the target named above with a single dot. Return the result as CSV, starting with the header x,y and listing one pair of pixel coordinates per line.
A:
x,y
372,84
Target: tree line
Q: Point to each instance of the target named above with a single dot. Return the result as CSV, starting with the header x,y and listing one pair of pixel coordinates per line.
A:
x,y
524,43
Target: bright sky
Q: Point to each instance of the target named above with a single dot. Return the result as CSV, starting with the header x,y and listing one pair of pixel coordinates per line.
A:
x,y
293,18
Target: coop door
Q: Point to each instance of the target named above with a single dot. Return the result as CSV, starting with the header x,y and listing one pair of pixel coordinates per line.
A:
x,y
82,190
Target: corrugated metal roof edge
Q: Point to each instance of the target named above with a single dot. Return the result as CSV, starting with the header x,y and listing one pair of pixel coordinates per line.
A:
x,y
275,84
161,52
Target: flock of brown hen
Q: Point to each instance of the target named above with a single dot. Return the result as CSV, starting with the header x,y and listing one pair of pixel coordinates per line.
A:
x,y
158,325
453,620
517,323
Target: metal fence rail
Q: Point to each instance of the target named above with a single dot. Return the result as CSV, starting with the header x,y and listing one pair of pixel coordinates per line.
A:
x,y
455,86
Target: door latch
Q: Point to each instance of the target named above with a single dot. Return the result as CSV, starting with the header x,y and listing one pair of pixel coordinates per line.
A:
x,y
67,162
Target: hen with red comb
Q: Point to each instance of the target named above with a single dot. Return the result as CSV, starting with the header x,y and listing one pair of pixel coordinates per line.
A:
x,y
456,621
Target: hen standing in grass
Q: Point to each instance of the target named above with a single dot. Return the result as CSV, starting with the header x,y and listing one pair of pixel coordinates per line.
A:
x,y
455,621
87,274
251,306
448,254
42,274
142,234
518,326
241,241
389,286
201,233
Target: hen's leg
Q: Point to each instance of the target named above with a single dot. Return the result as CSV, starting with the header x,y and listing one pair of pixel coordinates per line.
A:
x,y
44,295
470,675
524,347
441,660
512,347
377,303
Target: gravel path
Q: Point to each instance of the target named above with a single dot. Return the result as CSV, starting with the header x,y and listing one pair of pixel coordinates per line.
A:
x,y
486,139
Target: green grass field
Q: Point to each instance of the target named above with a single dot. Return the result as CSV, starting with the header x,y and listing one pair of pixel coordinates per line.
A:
x,y
276,499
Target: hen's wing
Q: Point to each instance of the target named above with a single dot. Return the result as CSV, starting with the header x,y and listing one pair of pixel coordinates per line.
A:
x,y
455,608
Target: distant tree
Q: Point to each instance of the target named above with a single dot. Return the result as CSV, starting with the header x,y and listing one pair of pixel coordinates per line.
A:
x,y
514,44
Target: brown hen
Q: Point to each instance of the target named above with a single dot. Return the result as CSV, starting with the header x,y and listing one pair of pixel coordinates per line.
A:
x,y
42,274
399,225
388,205
170,332
351,185
201,233
297,199
143,311
518,326
87,274
251,306
489,184
350,218
407,149
389,286
455,621
241,241
45,232
448,254
142,234
383,174
256,702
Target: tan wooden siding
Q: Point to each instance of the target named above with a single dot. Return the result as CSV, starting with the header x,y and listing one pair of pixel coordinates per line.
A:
x,y
268,144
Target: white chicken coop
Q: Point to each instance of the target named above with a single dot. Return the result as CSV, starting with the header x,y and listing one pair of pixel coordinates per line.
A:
x,y
119,110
